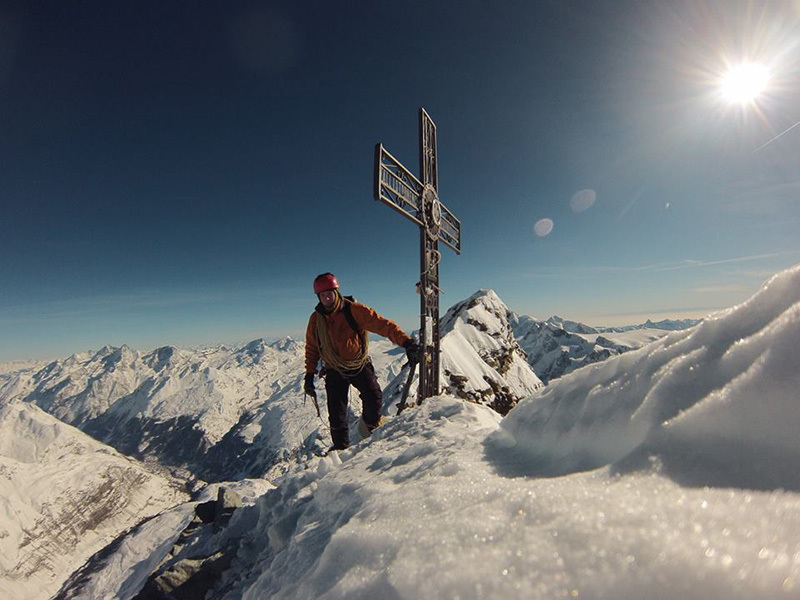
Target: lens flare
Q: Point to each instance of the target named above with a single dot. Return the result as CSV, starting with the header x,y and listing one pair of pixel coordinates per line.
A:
x,y
582,200
543,227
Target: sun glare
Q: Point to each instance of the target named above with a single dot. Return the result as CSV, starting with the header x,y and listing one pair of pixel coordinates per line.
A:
x,y
744,83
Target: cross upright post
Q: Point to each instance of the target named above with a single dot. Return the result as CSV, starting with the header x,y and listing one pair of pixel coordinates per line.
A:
x,y
418,200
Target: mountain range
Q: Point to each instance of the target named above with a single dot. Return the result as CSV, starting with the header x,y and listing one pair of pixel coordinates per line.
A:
x,y
229,412
668,471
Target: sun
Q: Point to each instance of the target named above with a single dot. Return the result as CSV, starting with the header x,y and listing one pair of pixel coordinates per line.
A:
x,y
744,83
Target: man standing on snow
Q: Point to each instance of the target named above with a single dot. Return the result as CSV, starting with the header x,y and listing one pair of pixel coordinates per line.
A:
x,y
337,332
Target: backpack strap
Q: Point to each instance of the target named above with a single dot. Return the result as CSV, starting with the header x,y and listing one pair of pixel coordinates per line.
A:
x,y
348,314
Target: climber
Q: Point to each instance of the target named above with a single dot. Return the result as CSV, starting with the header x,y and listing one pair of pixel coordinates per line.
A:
x,y
338,333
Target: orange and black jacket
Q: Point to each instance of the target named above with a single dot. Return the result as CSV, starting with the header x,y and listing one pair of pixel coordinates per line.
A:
x,y
345,341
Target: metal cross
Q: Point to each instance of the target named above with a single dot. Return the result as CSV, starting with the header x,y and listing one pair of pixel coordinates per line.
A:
x,y
419,201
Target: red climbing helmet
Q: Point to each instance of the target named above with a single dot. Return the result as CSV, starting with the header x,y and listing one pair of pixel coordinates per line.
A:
x,y
325,282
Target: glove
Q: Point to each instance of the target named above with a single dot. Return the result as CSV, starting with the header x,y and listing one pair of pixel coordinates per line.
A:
x,y
412,351
309,388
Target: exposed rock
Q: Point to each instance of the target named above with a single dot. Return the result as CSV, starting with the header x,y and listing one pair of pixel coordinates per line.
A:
x,y
181,576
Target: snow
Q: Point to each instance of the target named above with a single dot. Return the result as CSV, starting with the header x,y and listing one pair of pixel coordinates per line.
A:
x,y
726,389
667,472
426,512
123,572
556,346
480,356
63,496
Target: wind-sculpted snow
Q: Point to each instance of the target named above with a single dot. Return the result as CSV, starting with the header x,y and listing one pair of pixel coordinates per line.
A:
x,y
63,496
716,404
421,511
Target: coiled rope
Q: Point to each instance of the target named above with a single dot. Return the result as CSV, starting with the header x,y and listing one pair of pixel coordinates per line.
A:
x,y
333,360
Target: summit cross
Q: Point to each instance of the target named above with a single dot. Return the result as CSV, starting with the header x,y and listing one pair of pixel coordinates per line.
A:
x,y
418,200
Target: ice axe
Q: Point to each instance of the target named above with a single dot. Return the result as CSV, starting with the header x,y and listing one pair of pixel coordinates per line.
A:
x,y
403,401
316,404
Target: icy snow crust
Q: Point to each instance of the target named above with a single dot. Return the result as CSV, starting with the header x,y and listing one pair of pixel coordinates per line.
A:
x,y
718,404
422,512
693,493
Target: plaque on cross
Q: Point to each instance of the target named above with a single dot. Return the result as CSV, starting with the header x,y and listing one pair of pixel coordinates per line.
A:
x,y
418,200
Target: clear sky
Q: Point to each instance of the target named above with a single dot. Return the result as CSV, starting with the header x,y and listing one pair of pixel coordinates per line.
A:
x,y
178,172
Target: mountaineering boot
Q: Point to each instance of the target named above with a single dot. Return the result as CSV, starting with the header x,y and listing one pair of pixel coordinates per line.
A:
x,y
340,437
365,430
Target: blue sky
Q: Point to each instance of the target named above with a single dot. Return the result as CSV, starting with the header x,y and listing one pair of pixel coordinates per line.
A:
x,y
178,173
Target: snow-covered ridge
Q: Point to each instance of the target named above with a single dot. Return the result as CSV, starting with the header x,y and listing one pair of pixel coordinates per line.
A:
x,y
63,496
724,391
481,360
194,408
556,347
664,324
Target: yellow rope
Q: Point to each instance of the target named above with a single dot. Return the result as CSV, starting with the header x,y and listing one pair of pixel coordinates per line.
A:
x,y
329,355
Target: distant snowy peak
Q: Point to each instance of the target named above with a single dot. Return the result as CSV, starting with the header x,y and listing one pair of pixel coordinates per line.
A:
x,y
286,344
483,309
664,325
556,347
481,360
582,328
671,324
571,326
257,350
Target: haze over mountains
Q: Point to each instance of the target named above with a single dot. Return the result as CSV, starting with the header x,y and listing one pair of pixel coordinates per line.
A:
x,y
231,412
227,413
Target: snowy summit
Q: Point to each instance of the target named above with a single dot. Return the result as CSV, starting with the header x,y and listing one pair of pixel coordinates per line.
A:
x,y
666,472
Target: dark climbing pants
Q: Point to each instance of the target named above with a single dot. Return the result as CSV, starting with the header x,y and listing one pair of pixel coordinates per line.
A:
x,y
337,386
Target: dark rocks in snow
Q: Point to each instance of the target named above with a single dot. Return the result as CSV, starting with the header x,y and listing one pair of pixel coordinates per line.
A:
x,y
503,400
181,577
227,502
188,579
482,361
161,358
478,325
